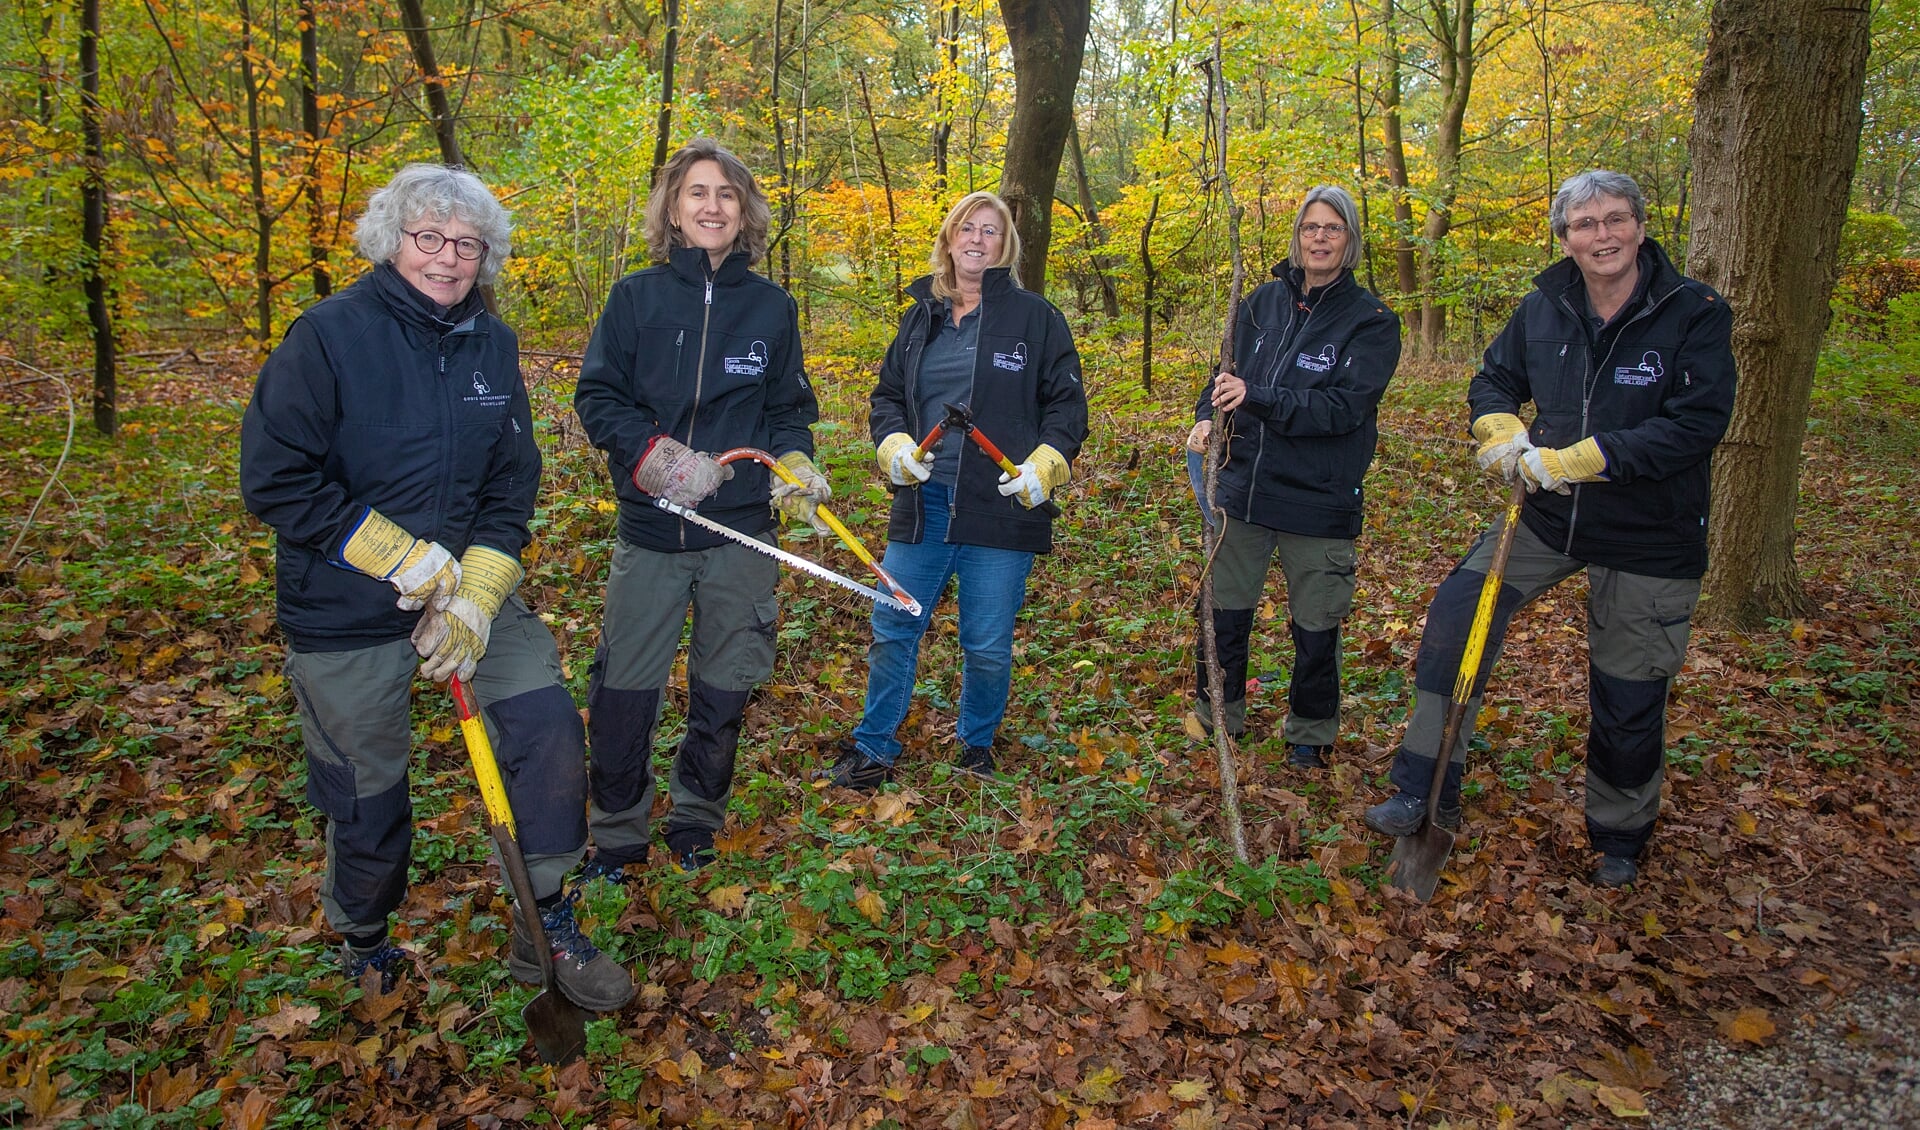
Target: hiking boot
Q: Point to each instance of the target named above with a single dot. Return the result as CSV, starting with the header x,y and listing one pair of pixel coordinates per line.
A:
x,y
691,848
1402,814
588,977
383,955
597,867
855,770
1616,871
975,759
1302,756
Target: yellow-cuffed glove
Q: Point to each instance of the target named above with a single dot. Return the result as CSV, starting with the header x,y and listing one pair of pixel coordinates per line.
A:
x,y
1503,440
898,464
798,501
1556,467
420,571
451,640
1044,472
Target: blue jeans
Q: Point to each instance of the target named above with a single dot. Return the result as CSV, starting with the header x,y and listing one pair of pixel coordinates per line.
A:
x,y
992,587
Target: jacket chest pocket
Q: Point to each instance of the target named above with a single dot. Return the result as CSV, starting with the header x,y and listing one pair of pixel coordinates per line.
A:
x,y
1555,367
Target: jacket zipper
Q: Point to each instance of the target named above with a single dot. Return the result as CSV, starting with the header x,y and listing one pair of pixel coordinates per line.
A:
x,y
973,392
699,376
1292,337
1590,380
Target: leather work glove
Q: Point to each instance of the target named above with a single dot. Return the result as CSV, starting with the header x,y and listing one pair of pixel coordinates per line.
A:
x,y
1556,467
421,571
1197,438
451,640
799,501
899,465
673,471
1503,440
1044,472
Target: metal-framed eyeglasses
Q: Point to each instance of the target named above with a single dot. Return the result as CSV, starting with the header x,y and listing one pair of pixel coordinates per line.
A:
x,y
986,231
1314,231
1612,221
430,242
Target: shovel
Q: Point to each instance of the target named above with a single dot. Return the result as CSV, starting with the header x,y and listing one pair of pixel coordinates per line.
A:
x,y
1417,859
557,1025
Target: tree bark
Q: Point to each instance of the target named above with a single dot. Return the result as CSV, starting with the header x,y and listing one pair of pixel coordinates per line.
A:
x,y
438,108
1109,298
316,145
93,203
663,122
1394,153
1775,133
1452,32
263,216
1048,39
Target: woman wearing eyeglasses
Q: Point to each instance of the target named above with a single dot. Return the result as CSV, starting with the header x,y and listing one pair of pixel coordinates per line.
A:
x,y
973,338
1313,351
692,356
390,445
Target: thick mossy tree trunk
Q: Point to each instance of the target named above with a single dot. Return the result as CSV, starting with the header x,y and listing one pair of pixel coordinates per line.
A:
x,y
1048,38
1776,128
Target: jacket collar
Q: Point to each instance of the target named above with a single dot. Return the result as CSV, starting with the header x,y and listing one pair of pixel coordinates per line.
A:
x,y
693,265
1658,275
1296,278
416,309
998,281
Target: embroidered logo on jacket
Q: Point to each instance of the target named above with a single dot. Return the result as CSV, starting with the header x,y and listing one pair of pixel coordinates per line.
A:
x,y
1648,371
1015,361
480,382
1318,363
483,392
752,365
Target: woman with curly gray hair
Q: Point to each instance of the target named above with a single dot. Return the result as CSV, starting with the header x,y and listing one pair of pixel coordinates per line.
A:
x,y
695,354
390,445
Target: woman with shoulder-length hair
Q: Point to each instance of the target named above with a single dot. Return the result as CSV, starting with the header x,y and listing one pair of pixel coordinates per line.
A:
x,y
694,355
390,445
1313,351
973,337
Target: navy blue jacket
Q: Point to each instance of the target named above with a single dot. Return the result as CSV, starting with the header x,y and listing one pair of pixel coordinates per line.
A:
x,y
711,358
1654,389
1316,363
1026,392
374,399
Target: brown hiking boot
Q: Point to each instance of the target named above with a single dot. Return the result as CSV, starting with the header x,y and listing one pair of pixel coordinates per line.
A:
x,y
588,977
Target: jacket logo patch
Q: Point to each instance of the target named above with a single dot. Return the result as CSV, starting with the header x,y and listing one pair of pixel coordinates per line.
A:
x,y
480,382
1648,371
1321,362
483,392
1015,361
752,365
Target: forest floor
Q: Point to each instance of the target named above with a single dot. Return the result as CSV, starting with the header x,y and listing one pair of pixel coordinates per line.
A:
x,y
1070,946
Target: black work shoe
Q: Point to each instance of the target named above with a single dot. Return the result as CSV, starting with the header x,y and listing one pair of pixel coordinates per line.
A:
x,y
1302,756
975,759
1402,814
1616,871
597,868
691,848
588,977
855,770
384,956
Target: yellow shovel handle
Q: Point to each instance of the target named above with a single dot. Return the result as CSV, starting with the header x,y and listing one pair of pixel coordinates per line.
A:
x,y
493,791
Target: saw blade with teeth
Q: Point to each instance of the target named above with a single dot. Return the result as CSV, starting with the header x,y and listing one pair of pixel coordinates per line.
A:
x,y
812,569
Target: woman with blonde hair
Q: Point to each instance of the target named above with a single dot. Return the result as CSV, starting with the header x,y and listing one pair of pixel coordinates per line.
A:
x,y
975,338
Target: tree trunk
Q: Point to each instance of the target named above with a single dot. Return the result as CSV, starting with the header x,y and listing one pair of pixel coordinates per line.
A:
x,y
263,216
93,203
316,145
1453,43
1047,38
943,102
663,122
1109,298
438,108
886,185
1776,129
1394,153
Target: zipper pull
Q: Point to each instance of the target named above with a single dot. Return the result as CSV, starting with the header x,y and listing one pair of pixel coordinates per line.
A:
x,y
709,292
680,339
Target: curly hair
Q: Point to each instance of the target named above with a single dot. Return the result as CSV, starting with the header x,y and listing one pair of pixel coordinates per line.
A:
x,y
435,193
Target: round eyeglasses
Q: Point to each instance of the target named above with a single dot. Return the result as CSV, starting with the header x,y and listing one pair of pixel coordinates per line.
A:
x,y
430,242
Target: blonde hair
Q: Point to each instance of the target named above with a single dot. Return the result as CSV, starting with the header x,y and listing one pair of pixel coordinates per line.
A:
x,y
946,283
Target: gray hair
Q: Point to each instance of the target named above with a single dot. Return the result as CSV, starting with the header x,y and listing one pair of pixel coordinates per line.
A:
x,y
437,193
756,217
1583,188
1341,201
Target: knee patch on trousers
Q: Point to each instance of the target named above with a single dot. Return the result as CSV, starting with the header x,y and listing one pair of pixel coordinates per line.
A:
x,y
713,737
371,850
1450,621
620,731
1314,691
1627,744
1232,632
543,762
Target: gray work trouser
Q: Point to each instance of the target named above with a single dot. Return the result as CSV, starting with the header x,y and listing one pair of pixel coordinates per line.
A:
x,y
355,723
1637,629
730,591
1319,575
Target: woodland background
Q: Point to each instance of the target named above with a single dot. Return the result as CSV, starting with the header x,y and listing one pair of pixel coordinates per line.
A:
x,y
1075,945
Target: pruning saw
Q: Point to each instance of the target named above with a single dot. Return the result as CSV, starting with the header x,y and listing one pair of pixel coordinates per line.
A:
x,y
903,601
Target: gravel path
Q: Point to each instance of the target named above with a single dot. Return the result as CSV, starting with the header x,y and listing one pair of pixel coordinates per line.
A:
x,y
1855,1064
